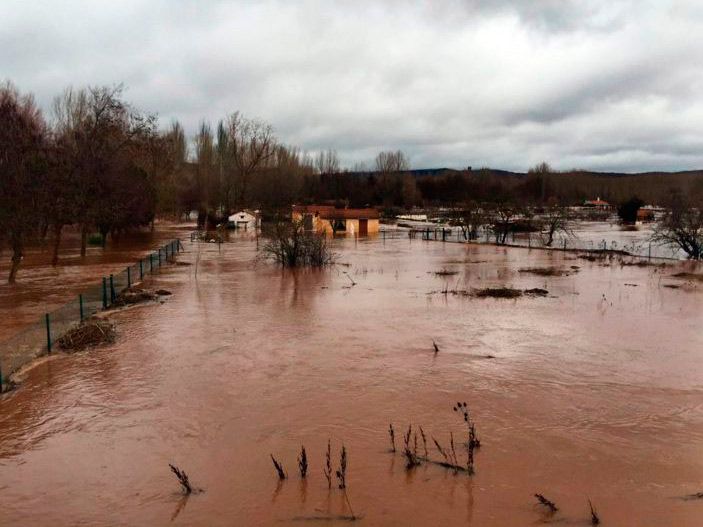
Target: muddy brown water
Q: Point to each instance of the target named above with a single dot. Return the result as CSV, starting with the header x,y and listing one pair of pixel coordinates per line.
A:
x,y
594,392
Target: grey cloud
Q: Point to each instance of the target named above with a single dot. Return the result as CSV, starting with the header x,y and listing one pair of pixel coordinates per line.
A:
x,y
597,84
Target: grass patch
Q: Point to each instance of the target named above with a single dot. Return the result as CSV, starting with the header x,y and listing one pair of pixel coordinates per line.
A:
x,y
545,271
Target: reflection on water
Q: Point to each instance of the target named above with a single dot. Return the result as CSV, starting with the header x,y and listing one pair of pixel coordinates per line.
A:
x,y
593,392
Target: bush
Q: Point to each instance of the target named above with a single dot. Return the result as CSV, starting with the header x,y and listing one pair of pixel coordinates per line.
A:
x,y
291,246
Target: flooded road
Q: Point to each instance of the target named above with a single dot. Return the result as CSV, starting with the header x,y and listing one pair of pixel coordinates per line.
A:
x,y
594,392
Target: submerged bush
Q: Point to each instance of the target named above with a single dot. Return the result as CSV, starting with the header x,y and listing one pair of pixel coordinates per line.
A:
x,y
290,245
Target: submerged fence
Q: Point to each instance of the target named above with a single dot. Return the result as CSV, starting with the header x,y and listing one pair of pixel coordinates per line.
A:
x,y
535,241
39,338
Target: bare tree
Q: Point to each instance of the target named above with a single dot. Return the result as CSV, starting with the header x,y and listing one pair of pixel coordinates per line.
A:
x,y
391,162
22,169
205,167
251,146
471,217
327,162
556,219
682,226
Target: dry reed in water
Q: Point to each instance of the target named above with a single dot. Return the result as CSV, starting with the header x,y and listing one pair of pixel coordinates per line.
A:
x,y
328,465
303,462
595,520
391,432
279,468
182,478
547,503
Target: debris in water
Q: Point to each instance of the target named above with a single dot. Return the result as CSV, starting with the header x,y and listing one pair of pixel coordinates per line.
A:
x,y
545,271
91,332
436,348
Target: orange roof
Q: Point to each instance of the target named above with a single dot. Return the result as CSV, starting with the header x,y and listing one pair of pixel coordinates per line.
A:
x,y
334,213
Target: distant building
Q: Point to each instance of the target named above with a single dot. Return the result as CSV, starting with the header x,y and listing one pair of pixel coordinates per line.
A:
x,y
597,204
336,220
645,214
244,220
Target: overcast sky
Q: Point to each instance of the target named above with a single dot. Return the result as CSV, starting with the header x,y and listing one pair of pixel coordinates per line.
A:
x,y
609,85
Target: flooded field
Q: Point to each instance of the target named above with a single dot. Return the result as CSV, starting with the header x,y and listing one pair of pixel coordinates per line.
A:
x,y
592,392
41,288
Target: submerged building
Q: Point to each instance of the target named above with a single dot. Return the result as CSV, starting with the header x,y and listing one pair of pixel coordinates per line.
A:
x,y
337,220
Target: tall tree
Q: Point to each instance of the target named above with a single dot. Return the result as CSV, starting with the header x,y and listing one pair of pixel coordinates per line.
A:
x,y
22,169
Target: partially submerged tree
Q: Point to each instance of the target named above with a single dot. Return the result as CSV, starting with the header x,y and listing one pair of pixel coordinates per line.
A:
x,y
22,170
682,225
289,244
627,210
556,219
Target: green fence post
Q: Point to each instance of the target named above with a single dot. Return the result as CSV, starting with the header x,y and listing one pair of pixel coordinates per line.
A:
x,y
112,290
104,293
129,278
141,269
151,262
48,332
80,303
159,257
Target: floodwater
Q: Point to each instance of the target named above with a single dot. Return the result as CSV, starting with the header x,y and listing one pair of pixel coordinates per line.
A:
x,y
594,392
41,288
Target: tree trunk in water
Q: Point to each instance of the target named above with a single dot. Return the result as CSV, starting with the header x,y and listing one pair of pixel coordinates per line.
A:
x,y
84,240
16,260
57,242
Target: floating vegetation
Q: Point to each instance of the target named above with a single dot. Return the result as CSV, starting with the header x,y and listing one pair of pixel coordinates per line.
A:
x,y
391,433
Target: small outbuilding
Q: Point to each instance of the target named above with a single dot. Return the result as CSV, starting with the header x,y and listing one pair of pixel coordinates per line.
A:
x,y
244,220
598,204
337,220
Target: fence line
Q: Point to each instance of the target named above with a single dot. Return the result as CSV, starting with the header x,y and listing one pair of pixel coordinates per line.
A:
x,y
38,338
528,241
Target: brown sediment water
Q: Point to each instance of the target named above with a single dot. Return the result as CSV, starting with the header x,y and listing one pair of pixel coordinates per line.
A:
x,y
594,392
41,287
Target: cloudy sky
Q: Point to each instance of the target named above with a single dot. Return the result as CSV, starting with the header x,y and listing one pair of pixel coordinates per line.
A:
x,y
601,84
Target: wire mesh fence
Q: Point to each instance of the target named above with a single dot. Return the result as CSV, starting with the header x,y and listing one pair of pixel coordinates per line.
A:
x,y
39,338
639,249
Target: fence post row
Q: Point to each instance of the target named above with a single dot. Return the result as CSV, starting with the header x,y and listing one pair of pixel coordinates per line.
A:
x,y
48,332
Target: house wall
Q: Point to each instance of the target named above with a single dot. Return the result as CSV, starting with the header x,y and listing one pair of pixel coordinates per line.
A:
x,y
352,225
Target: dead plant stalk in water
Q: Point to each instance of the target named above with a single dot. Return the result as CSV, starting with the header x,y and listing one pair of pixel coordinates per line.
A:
x,y
182,478
279,468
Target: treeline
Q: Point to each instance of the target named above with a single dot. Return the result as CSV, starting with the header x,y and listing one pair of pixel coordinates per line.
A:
x,y
100,164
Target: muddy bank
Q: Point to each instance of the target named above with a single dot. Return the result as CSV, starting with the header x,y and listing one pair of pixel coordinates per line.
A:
x,y
593,392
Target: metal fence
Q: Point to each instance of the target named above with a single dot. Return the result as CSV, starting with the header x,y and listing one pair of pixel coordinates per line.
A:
x,y
535,241
38,338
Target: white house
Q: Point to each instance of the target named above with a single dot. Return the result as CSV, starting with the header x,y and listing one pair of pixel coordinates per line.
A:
x,y
244,220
